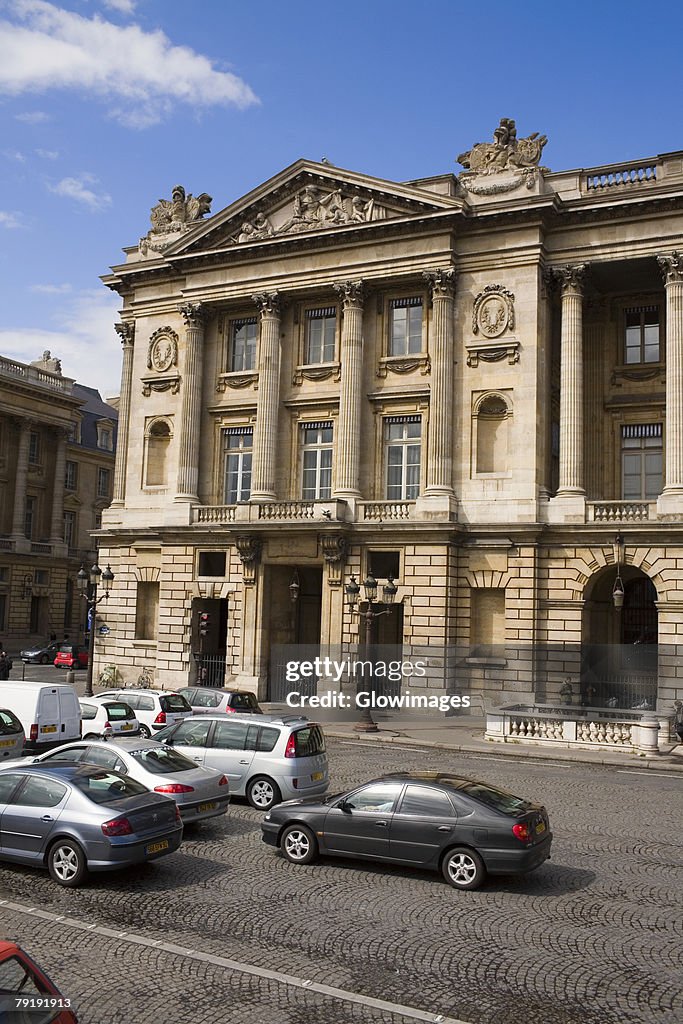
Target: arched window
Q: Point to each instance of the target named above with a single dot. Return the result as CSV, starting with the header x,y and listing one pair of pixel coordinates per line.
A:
x,y
158,442
492,435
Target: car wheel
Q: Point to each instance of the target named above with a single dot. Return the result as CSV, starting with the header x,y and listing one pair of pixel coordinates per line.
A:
x,y
144,732
262,793
463,868
92,736
66,863
298,844
44,659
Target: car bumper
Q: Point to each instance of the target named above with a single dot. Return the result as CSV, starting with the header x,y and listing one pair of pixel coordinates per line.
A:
x,y
303,787
270,831
122,855
509,862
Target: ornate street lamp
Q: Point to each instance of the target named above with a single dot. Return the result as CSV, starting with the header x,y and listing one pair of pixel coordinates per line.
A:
x,y
91,580
618,547
368,614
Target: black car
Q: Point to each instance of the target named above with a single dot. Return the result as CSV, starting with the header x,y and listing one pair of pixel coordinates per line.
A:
x,y
462,828
41,654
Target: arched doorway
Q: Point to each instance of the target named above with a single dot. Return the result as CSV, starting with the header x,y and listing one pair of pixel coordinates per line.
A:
x,y
619,652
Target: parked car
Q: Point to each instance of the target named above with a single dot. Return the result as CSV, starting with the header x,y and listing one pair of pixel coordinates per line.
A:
x,y
71,656
41,654
462,828
73,818
50,714
199,792
101,718
267,758
11,735
204,700
22,979
154,709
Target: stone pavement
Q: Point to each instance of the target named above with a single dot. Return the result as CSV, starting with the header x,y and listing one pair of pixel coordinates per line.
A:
x,y
465,733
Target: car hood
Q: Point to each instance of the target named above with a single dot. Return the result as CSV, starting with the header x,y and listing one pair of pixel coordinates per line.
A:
x,y
310,803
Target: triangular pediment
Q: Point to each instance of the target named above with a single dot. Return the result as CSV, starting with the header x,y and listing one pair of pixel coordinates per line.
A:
x,y
308,198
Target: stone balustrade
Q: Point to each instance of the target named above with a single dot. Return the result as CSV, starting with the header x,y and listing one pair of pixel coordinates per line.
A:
x,y
382,511
620,511
587,728
33,375
214,514
620,175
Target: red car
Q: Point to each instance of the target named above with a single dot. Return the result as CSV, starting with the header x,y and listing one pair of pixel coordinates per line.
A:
x,y
71,656
27,991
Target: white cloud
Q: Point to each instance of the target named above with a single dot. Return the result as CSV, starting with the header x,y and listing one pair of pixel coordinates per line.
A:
x,y
50,289
47,154
143,73
14,154
9,219
122,6
33,117
84,339
76,188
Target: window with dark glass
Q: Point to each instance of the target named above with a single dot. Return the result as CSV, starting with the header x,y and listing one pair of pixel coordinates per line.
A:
x,y
405,326
641,461
34,446
103,483
317,461
212,563
71,476
403,449
243,338
321,333
238,452
641,338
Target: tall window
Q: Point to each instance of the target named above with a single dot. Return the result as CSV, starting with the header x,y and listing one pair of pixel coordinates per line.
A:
x,y
321,333
641,341
641,461
29,516
317,461
146,611
403,447
103,483
70,529
34,447
158,443
405,325
105,437
243,337
238,445
71,476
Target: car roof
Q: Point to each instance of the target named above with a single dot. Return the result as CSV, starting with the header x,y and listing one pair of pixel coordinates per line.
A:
x,y
449,779
65,770
220,689
223,716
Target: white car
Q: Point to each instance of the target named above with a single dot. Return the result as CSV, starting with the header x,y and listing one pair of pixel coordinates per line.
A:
x,y
107,717
154,709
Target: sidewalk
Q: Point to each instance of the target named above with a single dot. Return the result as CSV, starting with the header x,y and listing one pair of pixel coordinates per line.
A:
x,y
465,734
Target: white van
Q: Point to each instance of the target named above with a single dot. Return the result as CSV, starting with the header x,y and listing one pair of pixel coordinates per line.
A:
x,y
50,715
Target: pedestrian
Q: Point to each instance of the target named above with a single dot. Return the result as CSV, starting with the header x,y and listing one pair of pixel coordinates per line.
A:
x,y
5,665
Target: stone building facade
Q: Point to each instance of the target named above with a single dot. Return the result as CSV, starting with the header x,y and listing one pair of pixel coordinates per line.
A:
x,y
470,383
57,452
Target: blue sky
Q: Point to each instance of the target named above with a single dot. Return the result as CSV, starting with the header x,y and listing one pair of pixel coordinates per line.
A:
x,y
106,104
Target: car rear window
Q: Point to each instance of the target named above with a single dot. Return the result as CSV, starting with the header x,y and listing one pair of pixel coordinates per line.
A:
x,y
162,760
119,712
102,786
243,700
498,799
174,702
309,741
9,723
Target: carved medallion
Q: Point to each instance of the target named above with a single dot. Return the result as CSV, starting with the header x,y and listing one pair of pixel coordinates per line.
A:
x,y
493,311
162,353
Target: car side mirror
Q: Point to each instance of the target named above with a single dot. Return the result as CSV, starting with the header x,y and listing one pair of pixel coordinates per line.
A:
x,y
346,806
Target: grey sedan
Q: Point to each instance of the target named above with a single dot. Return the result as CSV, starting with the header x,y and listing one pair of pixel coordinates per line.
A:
x,y
199,792
72,819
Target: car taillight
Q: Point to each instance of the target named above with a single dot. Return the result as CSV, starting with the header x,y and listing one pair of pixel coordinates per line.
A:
x,y
117,827
231,711
223,781
174,787
522,833
160,719
290,749
177,815
107,725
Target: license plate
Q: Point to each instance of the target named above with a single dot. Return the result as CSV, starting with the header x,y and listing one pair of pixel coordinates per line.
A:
x,y
208,807
540,827
48,728
7,743
156,847
124,727
316,776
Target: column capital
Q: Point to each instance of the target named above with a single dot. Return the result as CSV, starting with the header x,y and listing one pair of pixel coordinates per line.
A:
x,y
441,282
571,278
126,332
351,293
269,303
194,314
671,267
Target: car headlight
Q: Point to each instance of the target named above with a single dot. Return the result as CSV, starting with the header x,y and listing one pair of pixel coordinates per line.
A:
x,y
267,816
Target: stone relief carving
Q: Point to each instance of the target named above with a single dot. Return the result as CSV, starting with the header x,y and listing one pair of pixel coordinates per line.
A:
x,y
171,217
517,159
150,384
314,209
493,311
162,353
47,362
404,364
249,549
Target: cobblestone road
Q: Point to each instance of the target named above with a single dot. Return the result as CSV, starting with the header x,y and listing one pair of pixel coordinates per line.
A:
x,y
594,936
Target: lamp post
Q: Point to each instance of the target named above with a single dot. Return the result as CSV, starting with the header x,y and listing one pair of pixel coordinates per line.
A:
x,y
368,615
618,588
93,578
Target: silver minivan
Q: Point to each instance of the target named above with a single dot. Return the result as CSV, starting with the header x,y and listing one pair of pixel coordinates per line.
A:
x,y
267,758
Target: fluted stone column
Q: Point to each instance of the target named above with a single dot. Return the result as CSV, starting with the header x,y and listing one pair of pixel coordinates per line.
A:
x,y
57,520
440,442
194,316
267,406
347,443
671,498
20,481
571,381
126,332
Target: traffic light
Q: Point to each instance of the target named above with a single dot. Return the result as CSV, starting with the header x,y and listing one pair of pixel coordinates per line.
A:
x,y
204,623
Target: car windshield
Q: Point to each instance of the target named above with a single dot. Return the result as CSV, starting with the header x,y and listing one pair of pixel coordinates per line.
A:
x,y
162,760
102,786
496,798
174,702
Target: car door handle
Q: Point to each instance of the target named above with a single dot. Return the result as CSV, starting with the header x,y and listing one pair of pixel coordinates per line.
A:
x,y
245,762
381,824
445,828
47,817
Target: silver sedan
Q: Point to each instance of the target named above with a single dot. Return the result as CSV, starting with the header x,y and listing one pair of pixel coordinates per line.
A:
x,y
199,792
73,818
